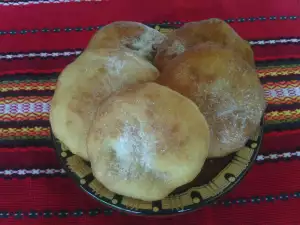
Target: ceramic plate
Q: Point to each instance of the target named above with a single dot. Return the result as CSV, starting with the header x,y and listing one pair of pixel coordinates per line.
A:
x,y
217,177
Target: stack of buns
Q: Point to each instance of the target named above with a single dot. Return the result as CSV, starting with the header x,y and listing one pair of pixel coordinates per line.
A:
x,y
148,109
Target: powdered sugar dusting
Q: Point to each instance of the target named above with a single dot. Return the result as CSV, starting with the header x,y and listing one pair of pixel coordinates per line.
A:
x,y
227,115
177,47
135,150
146,43
114,65
115,73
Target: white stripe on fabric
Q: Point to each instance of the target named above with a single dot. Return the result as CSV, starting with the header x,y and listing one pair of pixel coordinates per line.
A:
x,y
22,172
78,52
39,55
276,41
283,92
274,156
16,108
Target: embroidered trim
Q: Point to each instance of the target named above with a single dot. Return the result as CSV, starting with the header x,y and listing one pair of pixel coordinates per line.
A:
x,y
15,55
60,214
68,53
24,133
260,199
283,85
26,107
108,212
28,85
272,71
278,71
34,107
18,117
279,156
275,41
36,172
282,116
32,172
37,108
284,92
92,28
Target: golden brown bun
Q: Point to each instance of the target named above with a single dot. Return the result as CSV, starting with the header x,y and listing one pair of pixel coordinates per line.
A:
x,y
193,33
137,37
146,141
224,87
85,83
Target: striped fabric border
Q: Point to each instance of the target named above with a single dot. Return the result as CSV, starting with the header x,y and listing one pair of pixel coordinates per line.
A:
x,y
57,172
28,85
31,172
43,54
285,92
91,28
294,40
25,133
26,110
25,118
36,214
278,156
281,70
31,107
76,52
31,110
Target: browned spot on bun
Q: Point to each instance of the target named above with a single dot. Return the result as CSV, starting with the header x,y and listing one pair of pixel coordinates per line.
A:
x,y
182,142
175,128
149,113
69,122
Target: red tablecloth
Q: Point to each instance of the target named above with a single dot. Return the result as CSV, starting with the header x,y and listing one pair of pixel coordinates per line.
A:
x,y
39,37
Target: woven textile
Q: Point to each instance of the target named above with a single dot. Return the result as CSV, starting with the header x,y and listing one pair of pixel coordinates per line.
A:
x,y
38,38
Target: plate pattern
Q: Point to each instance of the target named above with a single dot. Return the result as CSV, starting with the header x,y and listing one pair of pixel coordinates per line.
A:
x,y
191,199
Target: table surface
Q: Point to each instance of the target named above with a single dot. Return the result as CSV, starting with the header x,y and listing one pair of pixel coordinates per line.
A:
x,y
40,37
